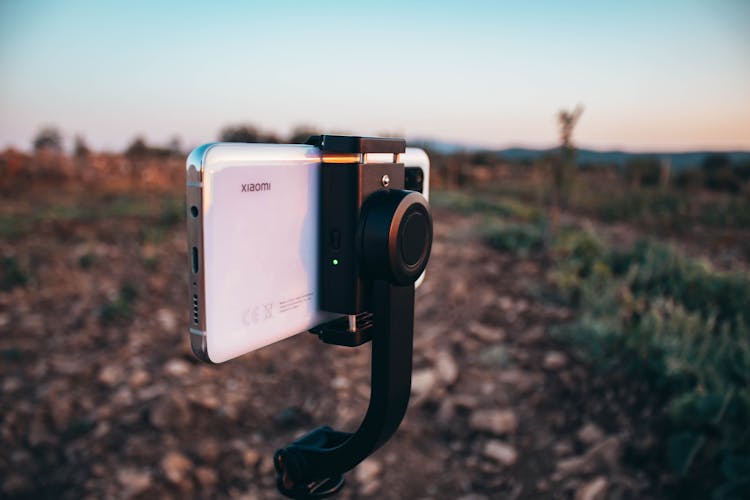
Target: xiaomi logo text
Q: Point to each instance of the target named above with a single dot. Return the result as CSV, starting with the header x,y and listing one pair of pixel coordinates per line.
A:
x,y
259,186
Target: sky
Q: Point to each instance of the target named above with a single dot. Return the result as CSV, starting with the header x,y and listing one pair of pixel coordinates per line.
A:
x,y
652,75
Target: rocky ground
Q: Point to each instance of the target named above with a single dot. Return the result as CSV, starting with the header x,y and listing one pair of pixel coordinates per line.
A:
x,y
101,397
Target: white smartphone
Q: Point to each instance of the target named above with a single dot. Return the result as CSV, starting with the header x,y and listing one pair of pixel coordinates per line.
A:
x,y
252,224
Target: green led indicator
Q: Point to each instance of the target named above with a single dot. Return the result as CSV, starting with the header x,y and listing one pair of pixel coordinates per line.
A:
x,y
335,262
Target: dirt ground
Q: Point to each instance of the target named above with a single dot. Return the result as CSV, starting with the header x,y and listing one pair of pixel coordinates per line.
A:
x,y
102,398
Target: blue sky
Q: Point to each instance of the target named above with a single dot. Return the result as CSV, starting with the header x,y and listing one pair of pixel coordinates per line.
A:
x,y
652,75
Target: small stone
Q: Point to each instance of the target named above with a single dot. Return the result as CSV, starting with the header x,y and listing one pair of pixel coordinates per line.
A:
x,y
139,378
11,384
368,471
596,489
500,452
446,367
554,360
495,356
110,375
496,422
176,466
207,477
473,496
505,303
170,411
532,336
590,434
15,484
485,333
603,456
340,383
209,450
422,381
522,381
250,458
134,481
177,367
167,319
563,448
370,488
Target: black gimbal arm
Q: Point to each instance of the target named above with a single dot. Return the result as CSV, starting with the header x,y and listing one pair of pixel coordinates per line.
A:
x,y
383,234
325,454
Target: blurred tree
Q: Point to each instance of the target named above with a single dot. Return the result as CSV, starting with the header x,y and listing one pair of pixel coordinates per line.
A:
x,y
718,173
564,168
246,133
80,149
49,138
240,133
643,171
301,133
137,149
175,146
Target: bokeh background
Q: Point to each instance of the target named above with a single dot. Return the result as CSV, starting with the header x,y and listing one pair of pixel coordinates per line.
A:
x,y
583,328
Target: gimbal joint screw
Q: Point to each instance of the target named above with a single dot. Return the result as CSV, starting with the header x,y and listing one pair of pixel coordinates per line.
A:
x,y
386,181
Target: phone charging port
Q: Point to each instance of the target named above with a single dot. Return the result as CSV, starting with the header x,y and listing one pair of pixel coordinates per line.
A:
x,y
195,260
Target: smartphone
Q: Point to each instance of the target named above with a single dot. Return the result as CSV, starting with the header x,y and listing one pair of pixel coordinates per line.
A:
x,y
252,225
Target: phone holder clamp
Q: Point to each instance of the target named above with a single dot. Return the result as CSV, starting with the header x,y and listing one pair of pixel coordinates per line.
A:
x,y
391,239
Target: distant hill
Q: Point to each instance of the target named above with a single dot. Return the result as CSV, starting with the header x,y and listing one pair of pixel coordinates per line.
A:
x,y
680,160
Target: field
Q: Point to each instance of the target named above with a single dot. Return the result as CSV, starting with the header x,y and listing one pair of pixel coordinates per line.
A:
x,y
605,354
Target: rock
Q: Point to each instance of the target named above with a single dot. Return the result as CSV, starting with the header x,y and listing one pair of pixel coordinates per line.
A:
x,y
250,458
554,360
521,381
446,367
563,448
368,471
207,477
422,381
485,333
500,452
465,401
607,452
176,466
496,422
170,411
603,456
532,336
139,378
370,488
495,356
167,319
16,484
590,434
340,383
596,489
209,450
133,481
11,384
505,303
110,374
177,367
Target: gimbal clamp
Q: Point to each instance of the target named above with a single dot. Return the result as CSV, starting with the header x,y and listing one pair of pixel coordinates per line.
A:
x,y
375,242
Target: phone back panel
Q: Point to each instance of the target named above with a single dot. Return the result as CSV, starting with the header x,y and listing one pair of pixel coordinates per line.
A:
x,y
259,256
260,231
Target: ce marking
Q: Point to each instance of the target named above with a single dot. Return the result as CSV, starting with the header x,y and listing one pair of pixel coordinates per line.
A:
x,y
257,314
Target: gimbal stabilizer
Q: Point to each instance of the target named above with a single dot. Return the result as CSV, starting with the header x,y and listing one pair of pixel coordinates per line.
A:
x,y
375,242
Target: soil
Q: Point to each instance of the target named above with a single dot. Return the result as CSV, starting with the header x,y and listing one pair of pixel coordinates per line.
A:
x,y
102,398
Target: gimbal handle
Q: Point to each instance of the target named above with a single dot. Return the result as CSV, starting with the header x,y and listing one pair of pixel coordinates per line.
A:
x,y
313,465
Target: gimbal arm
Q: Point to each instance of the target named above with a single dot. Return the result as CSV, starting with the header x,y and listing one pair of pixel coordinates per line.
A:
x,y
325,454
